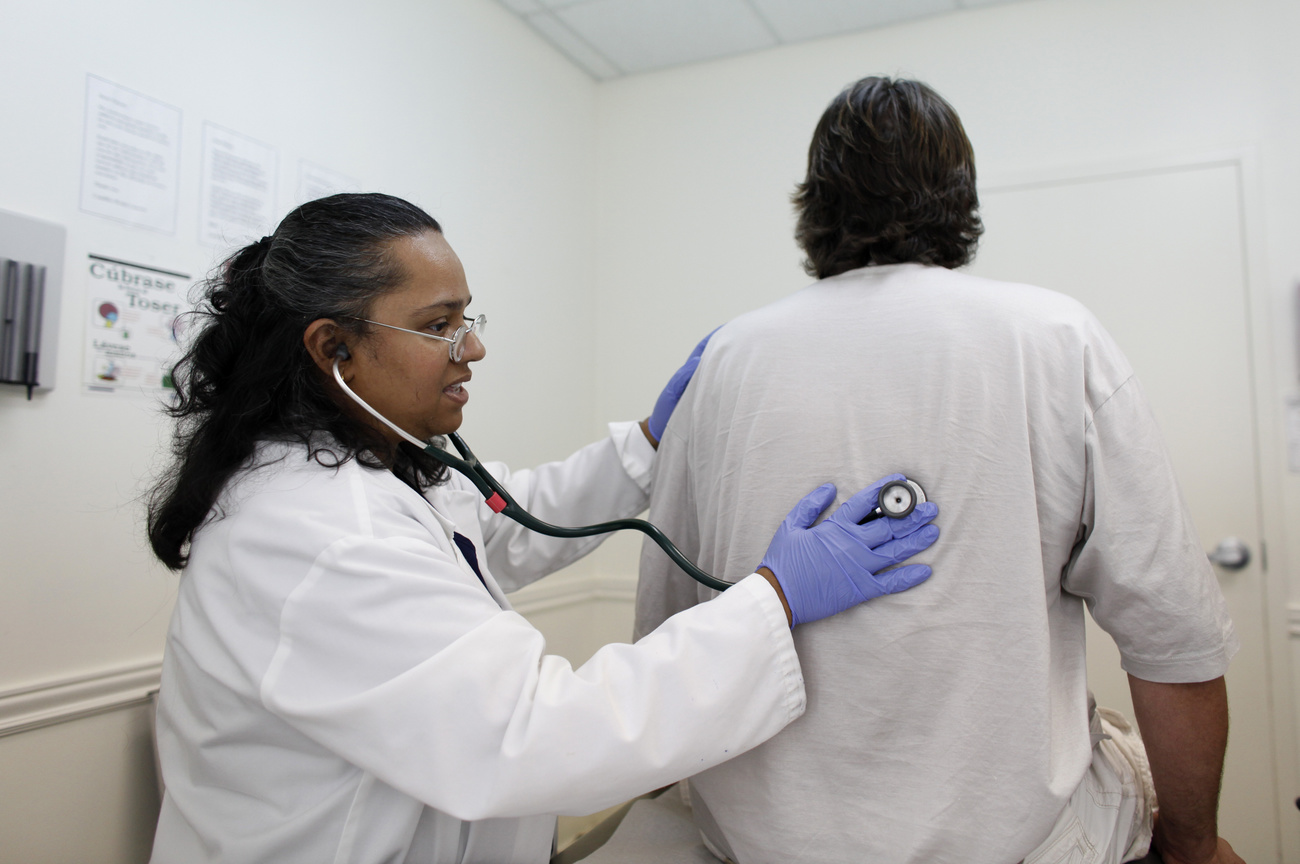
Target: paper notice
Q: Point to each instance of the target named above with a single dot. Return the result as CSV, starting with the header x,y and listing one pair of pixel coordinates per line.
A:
x,y
317,182
238,191
135,317
129,158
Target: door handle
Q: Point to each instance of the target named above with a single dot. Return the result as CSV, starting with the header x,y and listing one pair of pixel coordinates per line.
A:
x,y
1232,553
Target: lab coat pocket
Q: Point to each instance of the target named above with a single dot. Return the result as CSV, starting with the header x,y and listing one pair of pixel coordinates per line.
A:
x,y
380,823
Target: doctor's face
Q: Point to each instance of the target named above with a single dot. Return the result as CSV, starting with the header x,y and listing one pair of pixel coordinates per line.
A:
x,y
409,379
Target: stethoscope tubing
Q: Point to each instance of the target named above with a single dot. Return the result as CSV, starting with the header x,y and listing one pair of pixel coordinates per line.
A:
x,y
500,501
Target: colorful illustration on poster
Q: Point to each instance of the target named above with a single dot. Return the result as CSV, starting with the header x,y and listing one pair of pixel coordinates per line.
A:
x,y
106,370
107,314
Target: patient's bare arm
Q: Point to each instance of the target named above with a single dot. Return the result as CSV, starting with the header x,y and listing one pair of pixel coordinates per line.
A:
x,y
1185,729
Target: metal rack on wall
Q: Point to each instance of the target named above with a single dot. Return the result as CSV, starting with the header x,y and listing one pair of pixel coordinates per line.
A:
x,y
31,277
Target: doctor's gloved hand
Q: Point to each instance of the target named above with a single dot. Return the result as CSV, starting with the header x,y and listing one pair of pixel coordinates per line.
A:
x,y
672,394
833,566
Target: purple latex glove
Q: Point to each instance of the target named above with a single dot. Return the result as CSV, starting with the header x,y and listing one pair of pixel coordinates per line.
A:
x,y
836,565
672,393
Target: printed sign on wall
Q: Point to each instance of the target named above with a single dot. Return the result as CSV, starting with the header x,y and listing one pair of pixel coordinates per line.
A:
x,y
130,157
238,188
316,181
135,318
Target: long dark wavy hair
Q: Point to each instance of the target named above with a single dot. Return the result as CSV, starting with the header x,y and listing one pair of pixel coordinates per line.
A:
x,y
891,179
247,377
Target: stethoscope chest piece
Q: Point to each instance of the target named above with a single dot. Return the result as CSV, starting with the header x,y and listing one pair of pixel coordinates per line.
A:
x,y
897,499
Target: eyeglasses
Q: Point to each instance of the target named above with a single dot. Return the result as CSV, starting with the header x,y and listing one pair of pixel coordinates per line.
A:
x,y
456,350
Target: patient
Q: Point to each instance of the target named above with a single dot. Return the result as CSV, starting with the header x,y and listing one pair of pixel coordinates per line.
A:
x,y
958,727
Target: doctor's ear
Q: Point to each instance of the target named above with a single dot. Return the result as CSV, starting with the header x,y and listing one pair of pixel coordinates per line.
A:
x,y
323,340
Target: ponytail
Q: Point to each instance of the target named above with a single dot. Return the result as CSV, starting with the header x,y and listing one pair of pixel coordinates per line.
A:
x,y
247,377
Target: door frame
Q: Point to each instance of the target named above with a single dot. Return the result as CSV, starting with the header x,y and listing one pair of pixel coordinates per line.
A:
x,y
1269,321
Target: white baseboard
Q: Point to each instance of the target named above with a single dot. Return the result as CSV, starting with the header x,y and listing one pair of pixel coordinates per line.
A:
x,y
551,594
616,588
59,700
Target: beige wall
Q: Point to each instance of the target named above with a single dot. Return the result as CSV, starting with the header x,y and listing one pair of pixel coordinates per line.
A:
x,y
83,791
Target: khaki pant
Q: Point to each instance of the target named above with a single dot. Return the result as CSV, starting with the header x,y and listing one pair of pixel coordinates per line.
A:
x,y
1109,817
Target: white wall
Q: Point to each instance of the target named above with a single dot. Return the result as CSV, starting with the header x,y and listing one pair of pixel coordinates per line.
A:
x,y
455,105
697,165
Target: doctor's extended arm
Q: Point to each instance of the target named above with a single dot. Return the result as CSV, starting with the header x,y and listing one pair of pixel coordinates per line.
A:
x,y
393,657
606,480
609,479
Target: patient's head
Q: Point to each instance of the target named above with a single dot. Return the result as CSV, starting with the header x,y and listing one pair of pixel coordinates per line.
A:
x,y
891,178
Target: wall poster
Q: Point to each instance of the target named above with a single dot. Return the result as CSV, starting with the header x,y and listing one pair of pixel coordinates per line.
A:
x,y
317,181
237,190
130,157
135,320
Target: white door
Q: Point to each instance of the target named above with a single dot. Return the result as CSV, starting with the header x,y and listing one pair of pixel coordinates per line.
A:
x,y
1158,256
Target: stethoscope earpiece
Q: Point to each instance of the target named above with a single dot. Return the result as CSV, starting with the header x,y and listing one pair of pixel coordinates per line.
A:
x,y
343,353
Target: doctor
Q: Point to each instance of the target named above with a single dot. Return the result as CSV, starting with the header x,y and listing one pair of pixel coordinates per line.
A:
x,y
344,680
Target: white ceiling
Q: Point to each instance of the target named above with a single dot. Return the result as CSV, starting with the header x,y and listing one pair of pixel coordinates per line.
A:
x,y
611,38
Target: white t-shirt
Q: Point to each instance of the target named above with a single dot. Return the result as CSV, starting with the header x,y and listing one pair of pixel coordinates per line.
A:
x,y
949,722
339,684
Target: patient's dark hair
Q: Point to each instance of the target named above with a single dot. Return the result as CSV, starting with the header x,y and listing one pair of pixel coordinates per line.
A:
x,y
891,179
247,377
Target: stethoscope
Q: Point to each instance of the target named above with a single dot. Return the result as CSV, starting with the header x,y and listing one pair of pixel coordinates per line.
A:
x,y
896,500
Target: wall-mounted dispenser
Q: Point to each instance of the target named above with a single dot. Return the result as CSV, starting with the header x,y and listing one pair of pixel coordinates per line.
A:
x,y
31,278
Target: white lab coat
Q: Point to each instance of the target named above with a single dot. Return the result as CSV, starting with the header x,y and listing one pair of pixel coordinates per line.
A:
x,y
339,685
